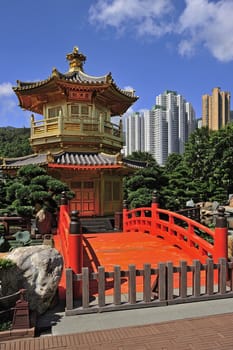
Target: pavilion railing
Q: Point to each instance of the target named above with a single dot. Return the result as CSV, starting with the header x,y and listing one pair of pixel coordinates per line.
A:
x,y
75,126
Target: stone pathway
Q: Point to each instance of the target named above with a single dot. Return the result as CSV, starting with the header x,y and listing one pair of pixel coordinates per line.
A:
x,y
205,333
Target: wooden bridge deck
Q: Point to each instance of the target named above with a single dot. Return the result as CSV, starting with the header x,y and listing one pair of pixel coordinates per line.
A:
x,y
124,248
121,248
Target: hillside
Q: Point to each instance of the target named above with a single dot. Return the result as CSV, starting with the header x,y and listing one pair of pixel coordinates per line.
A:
x,y
14,142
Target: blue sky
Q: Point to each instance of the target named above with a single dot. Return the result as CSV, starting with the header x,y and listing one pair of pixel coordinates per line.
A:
x,y
149,45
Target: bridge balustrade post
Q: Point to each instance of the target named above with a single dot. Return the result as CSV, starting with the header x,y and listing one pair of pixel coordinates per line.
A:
x,y
64,206
154,207
63,211
75,248
220,236
125,216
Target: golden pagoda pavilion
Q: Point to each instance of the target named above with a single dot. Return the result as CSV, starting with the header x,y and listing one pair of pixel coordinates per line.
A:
x,y
75,138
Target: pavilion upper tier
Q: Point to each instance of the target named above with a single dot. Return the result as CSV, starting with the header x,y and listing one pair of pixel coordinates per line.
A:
x,y
74,85
76,109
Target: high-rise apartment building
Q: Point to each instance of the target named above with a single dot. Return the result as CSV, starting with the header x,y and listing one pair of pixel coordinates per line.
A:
x,y
134,133
164,129
216,109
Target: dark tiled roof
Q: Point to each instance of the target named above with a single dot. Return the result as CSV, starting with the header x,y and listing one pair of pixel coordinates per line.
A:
x,y
37,159
73,77
77,77
81,77
135,163
88,159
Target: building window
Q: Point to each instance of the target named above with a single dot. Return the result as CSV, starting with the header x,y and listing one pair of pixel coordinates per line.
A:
x,y
88,184
112,191
116,191
79,110
76,184
101,113
84,110
108,191
54,112
75,111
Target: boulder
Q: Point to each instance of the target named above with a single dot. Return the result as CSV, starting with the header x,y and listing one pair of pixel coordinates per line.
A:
x,y
231,202
38,270
208,206
230,247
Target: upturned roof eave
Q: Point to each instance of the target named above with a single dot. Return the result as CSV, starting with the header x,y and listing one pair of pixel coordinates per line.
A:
x,y
59,79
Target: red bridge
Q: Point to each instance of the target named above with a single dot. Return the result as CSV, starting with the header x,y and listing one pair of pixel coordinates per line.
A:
x,y
150,235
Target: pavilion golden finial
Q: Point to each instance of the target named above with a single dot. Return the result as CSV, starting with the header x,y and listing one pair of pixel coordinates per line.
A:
x,y
76,60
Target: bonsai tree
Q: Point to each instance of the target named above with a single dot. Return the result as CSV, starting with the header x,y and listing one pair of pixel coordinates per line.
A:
x,y
31,185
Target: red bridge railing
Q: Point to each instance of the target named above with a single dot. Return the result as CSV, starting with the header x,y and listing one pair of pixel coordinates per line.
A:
x,y
68,241
197,240
194,238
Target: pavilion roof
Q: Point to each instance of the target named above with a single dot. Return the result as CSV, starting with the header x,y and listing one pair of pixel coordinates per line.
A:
x,y
75,160
32,95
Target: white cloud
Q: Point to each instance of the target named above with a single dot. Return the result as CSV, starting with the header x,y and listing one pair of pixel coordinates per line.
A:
x,y
208,24
201,24
128,88
145,16
6,89
186,47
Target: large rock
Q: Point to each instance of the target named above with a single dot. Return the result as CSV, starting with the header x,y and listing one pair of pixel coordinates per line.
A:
x,y
39,270
230,247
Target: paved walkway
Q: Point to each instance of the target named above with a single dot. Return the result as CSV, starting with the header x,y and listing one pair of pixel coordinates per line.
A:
x,y
195,326
212,332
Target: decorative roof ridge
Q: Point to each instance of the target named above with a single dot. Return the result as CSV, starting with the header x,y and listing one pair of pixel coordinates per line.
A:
x,y
33,155
74,152
30,84
33,84
106,77
129,93
108,155
135,162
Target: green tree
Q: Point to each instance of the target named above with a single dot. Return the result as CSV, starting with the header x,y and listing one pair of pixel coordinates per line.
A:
x,y
173,160
138,188
31,185
179,189
197,152
221,163
14,142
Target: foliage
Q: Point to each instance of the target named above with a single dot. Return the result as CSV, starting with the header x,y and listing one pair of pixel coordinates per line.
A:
x,y
6,263
140,198
202,173
32,184
173,160
5,326
14,142
143,157
138,188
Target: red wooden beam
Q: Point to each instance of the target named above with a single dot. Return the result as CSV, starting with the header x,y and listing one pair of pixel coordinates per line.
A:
x,y
84,167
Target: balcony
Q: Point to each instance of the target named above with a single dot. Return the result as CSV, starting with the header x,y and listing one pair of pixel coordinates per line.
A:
x,y
64,129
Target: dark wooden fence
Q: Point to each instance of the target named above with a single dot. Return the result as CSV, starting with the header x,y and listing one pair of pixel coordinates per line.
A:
x,y
208,281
